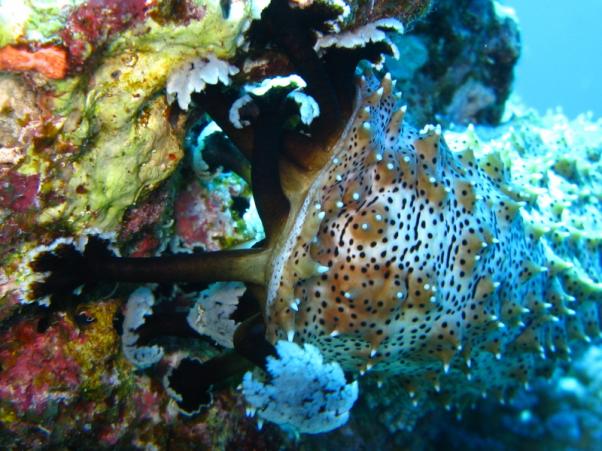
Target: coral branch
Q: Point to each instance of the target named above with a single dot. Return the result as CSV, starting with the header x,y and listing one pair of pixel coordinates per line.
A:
x,y
272,204
61,271
192,381
250,342
216,103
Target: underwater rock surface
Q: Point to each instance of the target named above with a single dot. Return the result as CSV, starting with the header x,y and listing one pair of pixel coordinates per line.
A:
x,y
463,54
89,139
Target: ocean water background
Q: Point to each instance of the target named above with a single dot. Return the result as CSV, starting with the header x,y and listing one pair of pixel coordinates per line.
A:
x,y
561,63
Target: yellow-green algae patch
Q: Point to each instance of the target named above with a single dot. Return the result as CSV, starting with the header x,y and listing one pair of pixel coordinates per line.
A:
x,y
96,348
117,116
33,20
555,166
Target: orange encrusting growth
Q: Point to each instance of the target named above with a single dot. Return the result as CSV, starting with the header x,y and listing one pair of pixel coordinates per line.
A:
x,y
48,61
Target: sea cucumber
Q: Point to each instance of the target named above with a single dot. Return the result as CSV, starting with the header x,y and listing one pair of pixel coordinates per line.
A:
x,y
438,266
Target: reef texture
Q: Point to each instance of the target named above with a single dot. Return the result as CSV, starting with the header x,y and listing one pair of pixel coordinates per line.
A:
x,y
463,54
94,140
445,271
559,414
85,145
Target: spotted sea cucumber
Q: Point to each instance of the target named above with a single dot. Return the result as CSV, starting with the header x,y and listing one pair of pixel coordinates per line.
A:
x,y
435,265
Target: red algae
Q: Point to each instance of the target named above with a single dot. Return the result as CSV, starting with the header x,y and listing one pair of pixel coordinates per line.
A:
x,y
188,11
142,223
36,370
146,246
146,214
202,217
93,23
19,192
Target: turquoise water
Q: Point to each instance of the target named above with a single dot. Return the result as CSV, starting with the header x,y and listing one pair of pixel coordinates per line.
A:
x,y
560,62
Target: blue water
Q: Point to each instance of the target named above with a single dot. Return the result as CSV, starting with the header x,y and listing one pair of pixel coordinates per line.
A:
x,y
561,62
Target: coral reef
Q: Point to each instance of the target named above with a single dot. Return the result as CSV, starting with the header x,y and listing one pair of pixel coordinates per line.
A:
x,y
45,374
565,412
204,217
435,267
97,139
80,150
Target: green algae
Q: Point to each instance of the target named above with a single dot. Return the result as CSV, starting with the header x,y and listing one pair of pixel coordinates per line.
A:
x,y
247,228
117,115
33,20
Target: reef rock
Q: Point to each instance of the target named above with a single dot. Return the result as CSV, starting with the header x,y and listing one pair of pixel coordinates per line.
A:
x,y
463,54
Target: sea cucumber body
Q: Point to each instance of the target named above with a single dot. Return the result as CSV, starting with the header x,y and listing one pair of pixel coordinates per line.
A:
x,y
435,265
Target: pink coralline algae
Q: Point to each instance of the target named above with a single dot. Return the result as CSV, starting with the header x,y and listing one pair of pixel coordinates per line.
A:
x,y
26,128
18,192
36,369
94,22
142,223
18,199
202,216
67,371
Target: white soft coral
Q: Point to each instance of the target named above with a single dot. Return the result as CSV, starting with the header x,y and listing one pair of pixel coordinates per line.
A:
x,y
139,305
194,75
211,314
305,394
